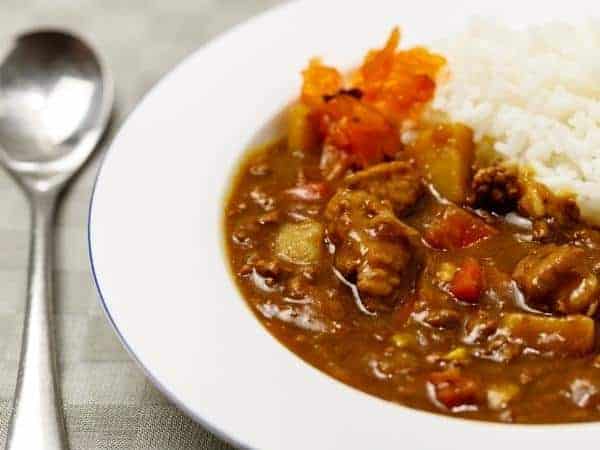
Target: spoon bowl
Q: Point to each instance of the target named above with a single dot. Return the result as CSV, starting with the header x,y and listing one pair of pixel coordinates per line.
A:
x,y
55,102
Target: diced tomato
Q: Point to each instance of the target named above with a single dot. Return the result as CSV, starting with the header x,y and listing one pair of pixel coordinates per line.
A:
x,y
467,283
348,124
453,390
309,192
456,228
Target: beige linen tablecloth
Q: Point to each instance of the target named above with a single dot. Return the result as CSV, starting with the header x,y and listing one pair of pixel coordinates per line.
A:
x,y
109,404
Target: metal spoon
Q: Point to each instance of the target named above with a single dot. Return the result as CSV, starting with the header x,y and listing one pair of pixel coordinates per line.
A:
x,y
55,102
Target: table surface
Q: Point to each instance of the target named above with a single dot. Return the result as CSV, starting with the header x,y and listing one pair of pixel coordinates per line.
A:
x,y
109,404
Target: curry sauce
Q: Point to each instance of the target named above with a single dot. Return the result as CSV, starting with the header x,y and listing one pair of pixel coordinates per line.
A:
x,y
413,264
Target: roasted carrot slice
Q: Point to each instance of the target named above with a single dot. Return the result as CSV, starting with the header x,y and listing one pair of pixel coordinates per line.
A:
x,y
467,283
456,228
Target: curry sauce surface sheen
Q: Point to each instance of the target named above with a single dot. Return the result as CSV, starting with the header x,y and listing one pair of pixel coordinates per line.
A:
x,y
377,280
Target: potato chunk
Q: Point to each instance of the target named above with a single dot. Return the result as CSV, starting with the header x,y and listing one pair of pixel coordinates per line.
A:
x,y
300,243
301,133
570,335
445,154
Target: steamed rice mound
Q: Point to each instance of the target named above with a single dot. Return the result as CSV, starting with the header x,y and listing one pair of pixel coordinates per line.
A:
x,y
536,93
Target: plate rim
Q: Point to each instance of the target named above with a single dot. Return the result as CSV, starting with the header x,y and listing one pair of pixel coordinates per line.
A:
x,y
162,388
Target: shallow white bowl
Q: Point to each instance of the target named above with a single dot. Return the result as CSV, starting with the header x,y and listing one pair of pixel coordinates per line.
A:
x,y
156,239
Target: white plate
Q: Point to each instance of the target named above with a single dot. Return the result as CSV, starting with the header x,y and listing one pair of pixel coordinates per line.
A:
x,y
156,239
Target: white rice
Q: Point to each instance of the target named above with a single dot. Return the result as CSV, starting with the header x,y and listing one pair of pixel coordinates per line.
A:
x,y
537,94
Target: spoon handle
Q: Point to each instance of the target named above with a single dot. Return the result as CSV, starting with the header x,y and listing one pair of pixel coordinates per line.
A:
x,y
37,418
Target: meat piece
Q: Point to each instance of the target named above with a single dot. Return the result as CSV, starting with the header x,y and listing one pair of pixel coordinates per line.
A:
x,y
571,335
557,278
434,307
396,181
540,273
496,188
537,201
502,189
371,244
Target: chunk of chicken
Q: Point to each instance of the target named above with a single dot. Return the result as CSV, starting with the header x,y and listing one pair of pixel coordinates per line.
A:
x,y
396,181
496,188
372,246
537,201
557,278
503,188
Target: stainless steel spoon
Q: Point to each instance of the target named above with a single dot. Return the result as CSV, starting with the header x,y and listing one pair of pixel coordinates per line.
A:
x,y
55,102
